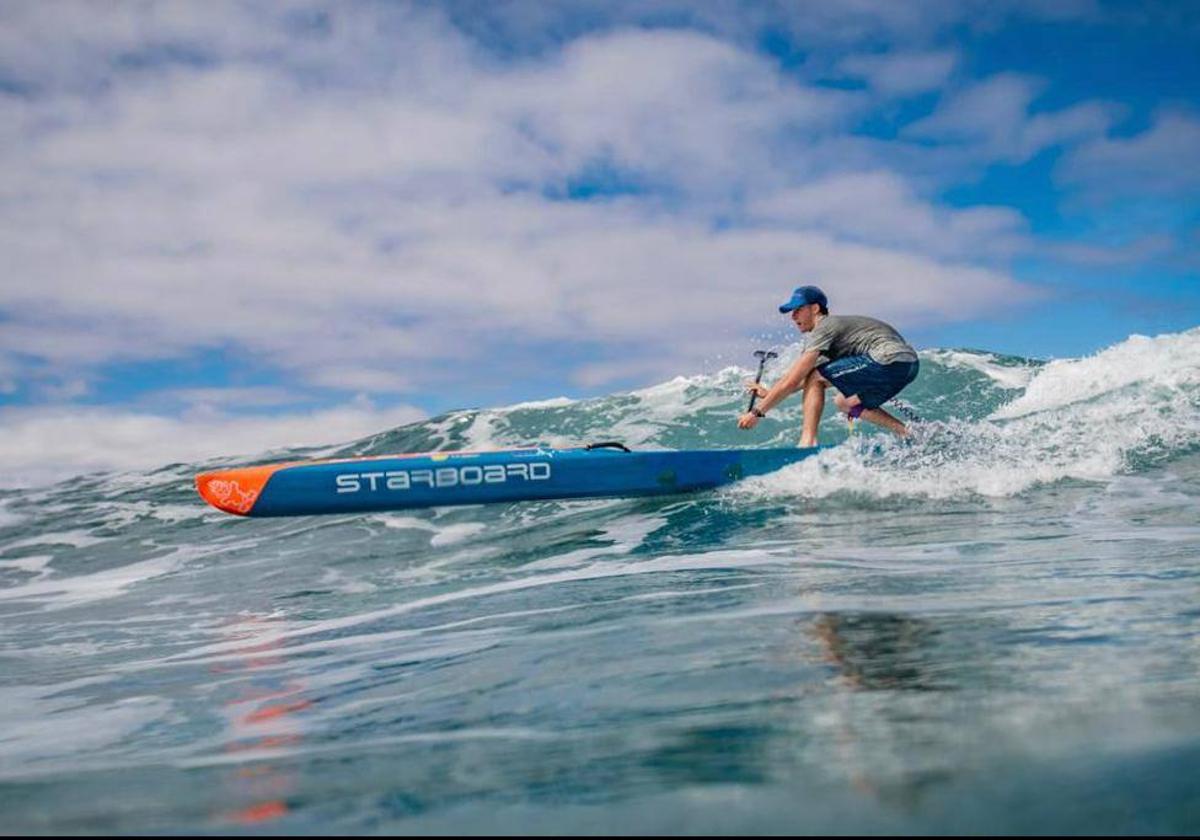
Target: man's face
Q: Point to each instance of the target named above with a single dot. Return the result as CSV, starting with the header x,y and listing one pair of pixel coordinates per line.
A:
x,y
805,317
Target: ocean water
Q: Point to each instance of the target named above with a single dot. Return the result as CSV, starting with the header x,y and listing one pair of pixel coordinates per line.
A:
x,y
993,628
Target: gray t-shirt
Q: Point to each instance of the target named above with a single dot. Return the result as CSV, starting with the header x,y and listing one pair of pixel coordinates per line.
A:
x,y
838,336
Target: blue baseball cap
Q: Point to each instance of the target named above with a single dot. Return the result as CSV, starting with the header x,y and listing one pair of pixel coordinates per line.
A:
x,y
804,296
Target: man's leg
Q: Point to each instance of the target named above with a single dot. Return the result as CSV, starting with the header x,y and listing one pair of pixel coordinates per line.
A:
x,y
857,374
873,415
881,418
814,407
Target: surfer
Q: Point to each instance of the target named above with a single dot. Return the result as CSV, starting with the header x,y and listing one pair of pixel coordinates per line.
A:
x,y
864,358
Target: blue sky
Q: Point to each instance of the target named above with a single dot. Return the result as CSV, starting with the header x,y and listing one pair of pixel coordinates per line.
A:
x,y
305,221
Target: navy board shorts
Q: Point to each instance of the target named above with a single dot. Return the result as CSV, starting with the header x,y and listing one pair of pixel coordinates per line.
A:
x,y
874,383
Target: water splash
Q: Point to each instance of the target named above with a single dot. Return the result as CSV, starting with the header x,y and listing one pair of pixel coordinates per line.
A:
x,y
1133,405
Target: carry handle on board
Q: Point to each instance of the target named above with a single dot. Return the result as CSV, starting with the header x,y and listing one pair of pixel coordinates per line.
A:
x,y
763,356
608,444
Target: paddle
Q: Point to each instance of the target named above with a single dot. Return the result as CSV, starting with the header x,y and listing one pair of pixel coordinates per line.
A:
x,y
762,356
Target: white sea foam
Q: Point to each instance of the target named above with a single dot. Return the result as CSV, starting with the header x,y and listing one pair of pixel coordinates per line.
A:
x,y
484,432
138,480
1077,419
450,534
35,564
671,400
553,402
618,539
333,579
119,515
1006,376
41,725
8,517
54,593
1171,362
442,534
75,539
390,520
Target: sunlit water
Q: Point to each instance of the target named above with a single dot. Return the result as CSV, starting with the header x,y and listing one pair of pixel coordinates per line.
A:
x,y
994,628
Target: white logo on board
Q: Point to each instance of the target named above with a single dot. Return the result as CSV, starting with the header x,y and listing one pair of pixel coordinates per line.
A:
x,y
469,476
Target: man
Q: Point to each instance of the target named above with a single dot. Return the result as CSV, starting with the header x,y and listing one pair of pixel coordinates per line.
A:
x,y
865,359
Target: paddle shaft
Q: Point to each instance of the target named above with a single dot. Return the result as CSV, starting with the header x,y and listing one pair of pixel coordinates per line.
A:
x,y
762,363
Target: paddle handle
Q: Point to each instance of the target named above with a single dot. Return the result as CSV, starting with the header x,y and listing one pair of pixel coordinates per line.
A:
x,y
762,361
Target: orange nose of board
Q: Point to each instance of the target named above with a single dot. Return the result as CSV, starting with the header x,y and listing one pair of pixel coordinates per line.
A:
x,y
235,491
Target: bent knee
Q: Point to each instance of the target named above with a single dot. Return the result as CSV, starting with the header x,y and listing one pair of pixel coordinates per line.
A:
x,y
815,378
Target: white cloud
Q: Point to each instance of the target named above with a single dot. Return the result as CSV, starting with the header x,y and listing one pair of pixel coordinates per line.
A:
x,y
881,208
1141,250
993,120
349,200
1163,159
41,445
902,73
8,374
63,390
359,378
209,399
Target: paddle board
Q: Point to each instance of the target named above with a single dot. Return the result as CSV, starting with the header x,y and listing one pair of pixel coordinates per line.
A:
x,y
397,482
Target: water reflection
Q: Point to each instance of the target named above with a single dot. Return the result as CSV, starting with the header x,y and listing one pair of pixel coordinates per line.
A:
x,y
265,714
714,755
883,732
874,651
867,729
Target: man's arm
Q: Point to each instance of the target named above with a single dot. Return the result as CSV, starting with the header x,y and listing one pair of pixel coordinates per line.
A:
x,y
790,382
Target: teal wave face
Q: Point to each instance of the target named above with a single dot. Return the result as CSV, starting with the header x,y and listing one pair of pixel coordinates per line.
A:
x,y
701,411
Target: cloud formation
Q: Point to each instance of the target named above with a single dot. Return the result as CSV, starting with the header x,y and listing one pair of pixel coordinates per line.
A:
x,y
348,195
902,73
993,119
1163,159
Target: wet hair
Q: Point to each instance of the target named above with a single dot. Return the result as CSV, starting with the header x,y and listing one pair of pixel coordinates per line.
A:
x,y
824,309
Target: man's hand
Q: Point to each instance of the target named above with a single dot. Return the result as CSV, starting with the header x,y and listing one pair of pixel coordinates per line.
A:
x,y
747,421
757,388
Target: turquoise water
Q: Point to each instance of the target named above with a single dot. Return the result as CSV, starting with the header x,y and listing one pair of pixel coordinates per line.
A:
x,y
993,629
